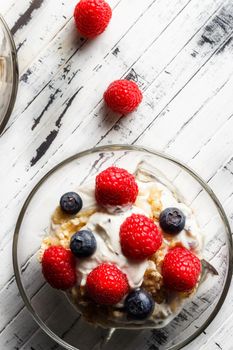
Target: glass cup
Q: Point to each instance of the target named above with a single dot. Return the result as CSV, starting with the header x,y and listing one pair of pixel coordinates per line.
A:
x,y
51,308
8,74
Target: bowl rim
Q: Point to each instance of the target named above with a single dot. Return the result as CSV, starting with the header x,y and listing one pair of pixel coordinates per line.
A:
x,y
123,147
15,76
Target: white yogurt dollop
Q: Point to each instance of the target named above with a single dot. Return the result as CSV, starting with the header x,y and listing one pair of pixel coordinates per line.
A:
x,y
106,228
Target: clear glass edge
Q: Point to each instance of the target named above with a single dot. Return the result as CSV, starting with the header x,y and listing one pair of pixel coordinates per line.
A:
x,y
15,74
123,147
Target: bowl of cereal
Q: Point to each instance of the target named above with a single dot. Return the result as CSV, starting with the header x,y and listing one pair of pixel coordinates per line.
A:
x,y
8,73
122,245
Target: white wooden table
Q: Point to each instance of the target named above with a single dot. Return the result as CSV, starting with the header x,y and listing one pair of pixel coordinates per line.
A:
x,y
181,54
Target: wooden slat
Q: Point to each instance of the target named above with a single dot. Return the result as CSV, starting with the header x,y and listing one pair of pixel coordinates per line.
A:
x,y
179,52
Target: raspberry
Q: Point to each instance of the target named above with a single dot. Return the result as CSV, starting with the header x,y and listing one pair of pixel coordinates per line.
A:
x,y
92,17
181,269
123,96
58,267
106,284
115,186
139,237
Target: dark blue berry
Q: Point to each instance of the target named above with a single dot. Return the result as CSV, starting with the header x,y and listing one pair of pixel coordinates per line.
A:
x,y
71,203
172,220
83,244
139,304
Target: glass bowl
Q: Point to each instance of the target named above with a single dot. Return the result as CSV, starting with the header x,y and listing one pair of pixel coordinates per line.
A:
x,y
51,309
8,73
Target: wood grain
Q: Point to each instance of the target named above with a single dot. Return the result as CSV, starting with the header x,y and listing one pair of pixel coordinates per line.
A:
x,y
179,52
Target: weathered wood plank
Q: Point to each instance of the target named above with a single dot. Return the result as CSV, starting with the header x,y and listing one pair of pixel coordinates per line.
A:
x,y
94,121
25,19
66,49
173,79
125,131
6,6
187,80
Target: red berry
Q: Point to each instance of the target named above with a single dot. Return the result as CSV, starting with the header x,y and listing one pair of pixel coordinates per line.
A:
x,y
181,269
58,267
123,96
115,186
92,17
140,237
107,285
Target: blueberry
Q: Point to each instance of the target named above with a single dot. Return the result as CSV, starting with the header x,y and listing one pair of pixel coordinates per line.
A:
x,y
139,304
71,203
83,244
172,220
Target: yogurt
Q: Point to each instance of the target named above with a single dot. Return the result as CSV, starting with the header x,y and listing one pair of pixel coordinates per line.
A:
x,y
105,228
153,197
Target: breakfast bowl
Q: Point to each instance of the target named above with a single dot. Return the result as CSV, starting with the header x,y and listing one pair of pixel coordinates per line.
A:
x,y
52,308
8,73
